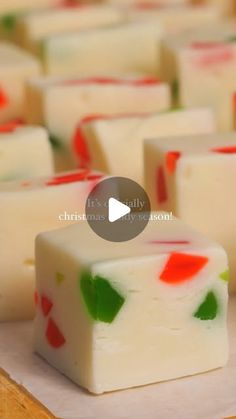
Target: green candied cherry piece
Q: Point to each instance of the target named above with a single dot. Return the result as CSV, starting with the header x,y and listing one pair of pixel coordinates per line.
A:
x,y
8,22
55,142
231,39
102,300
175,90
225,276
208,310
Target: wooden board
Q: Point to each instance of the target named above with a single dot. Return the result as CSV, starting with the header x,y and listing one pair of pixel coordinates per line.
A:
x,y
17,403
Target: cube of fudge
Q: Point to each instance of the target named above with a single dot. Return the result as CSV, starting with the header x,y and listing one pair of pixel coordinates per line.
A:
x,y
193,177
34,27
16,67
104,143
59,104
203,39
11,10
119,49
25,152
134,313
207,78
177,19
27,208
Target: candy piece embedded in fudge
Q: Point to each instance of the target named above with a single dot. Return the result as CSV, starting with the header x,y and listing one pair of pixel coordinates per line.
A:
x,y
177,19
133,313
34,27
104,143
90,96
27,208
25,152
119,49
193,177
16,67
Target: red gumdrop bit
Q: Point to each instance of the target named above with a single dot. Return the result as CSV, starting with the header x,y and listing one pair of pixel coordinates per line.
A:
x,y
225,150
109,80
171,160
161,186
80,147
171,242
46,305
74,177
207,45
10,126
181,267
4,100
54,336
36,298
70,4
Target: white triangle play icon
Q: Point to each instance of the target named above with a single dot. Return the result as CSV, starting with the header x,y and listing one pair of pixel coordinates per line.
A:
x,y
116,210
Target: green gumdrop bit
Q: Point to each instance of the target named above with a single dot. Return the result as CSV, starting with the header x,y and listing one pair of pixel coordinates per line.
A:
x,y
55,142
102,300
208,309
175,89
231,39
8,22
225,276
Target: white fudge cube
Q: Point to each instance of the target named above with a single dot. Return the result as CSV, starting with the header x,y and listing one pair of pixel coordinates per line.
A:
x,y
207,78
25,152
59,104
134,313
193,177
26,209
34,27
177,19
16,67
119,49
114,145
11,10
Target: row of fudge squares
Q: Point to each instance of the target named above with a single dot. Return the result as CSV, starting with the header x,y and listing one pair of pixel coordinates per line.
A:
x,y
186,174
30,30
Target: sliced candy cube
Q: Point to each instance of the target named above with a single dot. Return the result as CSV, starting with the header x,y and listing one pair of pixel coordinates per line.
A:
x,y
25,152
131,313
27,208
104,143
32,28
85,98
200,188
131,47
16,67
175,20
202,63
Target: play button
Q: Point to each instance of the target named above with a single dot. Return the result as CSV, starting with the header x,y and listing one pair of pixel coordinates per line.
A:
x,y
117,209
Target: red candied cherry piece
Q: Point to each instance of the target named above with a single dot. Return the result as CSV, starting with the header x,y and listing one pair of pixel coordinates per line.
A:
x,y
73,177
4,100
225,150
206,45
171,160
161,186
70,3
80,147
181,267
10,126
46,305
53,334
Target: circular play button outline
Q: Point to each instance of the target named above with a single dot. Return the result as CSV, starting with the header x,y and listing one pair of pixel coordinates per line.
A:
x,y
118,209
